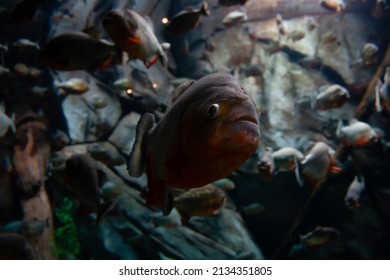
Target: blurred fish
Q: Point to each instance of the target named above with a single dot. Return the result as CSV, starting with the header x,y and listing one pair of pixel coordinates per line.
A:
x,y
211,129
320,236
235,17
329,37
4,48
72,86
357,134
82,177
311,23
224,184
134,35
273,48
21,11
187,20
286,159
278,19
199,202
6,163
382,92
16,247
296,35
39,91
27,229
355,189
78,51
6,123
99,103
60,139
111,190
319,163
251,70
24,45
34,72
22,69
4,71
266,165
369,54
335,5
379,9
123,84
231,2
310,62
333,96
171,221
252,209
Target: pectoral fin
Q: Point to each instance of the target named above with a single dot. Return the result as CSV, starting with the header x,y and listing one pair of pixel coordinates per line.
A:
x,y
137,159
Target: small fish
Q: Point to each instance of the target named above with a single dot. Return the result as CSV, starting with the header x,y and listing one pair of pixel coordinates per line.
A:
x,y
34,72
24,45
252,209
355,189
224,184
111,190
357,134
228,3
27,229
235,17
369,54
286,159
333,96
99,103
210,130
187,20
82,177
335,5
296,35
134,35
16,247
22,69
199,202
266,165
6,123
39,91
320,236
78,51
72,86
4,71
124,84
329,37
319,163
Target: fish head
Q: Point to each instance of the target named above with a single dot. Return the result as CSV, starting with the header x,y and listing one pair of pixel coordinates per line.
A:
x,y
117,25
223,120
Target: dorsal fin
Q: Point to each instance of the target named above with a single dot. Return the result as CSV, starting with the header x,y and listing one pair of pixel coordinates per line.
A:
x,y
180,89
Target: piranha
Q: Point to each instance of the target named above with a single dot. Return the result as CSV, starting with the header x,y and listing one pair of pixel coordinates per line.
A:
x,y
210,130
72,86
355,189
286,159
320,236
333,96
78,51
357,134
335,5
83,179
200,202
187,20
134,35
319,163
16,247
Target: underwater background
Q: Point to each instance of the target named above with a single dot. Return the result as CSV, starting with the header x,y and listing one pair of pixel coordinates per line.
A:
x,y
317,71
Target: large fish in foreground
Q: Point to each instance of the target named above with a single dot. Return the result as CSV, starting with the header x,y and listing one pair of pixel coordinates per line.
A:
x,y
134,34
210,130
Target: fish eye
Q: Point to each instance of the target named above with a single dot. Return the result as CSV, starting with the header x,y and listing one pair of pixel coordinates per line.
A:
x,y
212,111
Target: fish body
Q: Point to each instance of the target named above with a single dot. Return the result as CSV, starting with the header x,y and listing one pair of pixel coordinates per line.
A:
x,y
16,247
72,86
357,134
335,5
83,180
224,184
234,18
318,164
333,96
199,202
21,69
209,131
355,189
284,158
39,91
320,236
25,45
266,165
253,209
34,72
134,35
123,84
27,229
187,20
78,51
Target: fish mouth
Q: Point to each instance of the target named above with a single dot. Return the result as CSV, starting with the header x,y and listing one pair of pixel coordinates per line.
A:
x,y
246,119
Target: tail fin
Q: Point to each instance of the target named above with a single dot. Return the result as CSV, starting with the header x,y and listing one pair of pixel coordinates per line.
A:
x,y
204,9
